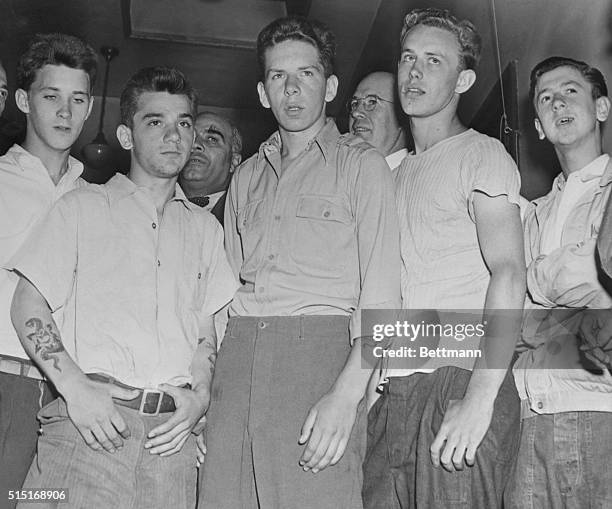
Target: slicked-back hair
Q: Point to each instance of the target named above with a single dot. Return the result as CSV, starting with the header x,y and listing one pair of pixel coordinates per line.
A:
x,y
298,28
56,49
591,74
154,79
468,38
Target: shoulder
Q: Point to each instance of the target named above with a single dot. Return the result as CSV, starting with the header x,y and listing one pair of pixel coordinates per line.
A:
x,y
360,155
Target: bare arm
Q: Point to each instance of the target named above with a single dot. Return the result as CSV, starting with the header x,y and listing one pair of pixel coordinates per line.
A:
x,y
90,405
467,420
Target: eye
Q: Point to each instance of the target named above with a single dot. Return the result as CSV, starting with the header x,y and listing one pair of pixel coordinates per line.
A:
x,y
78,100
276,75
544,99
434,60
370,102
185,123
408,57
3,94
211,140
307,73
571,90
154,123
49,97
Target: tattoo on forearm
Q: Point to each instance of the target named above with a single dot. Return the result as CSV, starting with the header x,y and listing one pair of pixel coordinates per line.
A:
x,y
212,358
46,341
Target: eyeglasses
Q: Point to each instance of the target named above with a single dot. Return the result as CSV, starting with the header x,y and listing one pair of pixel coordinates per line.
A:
x,y
369,102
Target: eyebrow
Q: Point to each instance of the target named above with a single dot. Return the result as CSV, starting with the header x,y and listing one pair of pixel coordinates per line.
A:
x,y
55,89
564,84
158,115
215,130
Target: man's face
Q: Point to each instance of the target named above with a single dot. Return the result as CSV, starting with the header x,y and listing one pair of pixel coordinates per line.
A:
x,y
379,127
210,164
57,105
161,136
295,87
428,71
566,111
3,89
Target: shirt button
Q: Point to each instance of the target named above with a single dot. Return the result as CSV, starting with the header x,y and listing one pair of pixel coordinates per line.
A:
x,y
262,325
326,213
158,263
277,217
199,275
153,225
540,405
271,257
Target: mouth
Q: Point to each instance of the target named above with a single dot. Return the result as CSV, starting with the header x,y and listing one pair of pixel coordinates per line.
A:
x,y
412,91
293,109
62,128
564,121
359,129
197,160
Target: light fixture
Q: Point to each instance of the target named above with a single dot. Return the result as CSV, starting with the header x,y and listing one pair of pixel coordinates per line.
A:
x,y
98,154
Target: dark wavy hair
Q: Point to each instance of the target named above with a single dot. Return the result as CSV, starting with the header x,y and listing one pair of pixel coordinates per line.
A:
x,y
298,28
56,49
468,38
153,79
591,74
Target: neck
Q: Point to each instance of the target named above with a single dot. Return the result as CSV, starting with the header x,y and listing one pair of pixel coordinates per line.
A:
x,y
55,162
428,131
574,158
294,143
398,143
161,189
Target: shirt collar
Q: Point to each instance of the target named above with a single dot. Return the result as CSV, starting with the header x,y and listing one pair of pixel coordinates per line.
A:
x,y
596,169
395,159
25,160
324,140
120,187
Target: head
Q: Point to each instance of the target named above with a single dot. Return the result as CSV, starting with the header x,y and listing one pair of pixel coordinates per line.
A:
x,y
439,55
373,113
3,88
55,78
157,121
296,64
570,101
216,152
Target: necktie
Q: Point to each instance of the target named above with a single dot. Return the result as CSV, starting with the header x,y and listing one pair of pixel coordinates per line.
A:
x,y
200,201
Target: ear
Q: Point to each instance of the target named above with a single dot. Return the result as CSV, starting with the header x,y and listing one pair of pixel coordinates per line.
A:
x,y
465,80
602,108
538,127
331,88
236,160
124,135
91,101
263,97
21,99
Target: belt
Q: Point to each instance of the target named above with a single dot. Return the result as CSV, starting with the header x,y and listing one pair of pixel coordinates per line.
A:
x,y
20,367
148,402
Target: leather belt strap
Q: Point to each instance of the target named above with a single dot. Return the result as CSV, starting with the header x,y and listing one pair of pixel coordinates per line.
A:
x,y
21,367
148,402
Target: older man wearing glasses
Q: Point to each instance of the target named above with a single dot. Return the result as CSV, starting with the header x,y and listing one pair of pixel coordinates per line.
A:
x,y
373,117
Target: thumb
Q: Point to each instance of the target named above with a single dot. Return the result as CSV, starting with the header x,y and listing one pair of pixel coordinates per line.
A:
x,y
171,389
120,393
307,427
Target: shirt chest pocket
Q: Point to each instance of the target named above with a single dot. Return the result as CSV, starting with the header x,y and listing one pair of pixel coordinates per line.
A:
x,y
324,236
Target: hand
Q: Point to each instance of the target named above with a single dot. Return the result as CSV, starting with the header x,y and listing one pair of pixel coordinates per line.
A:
x,y
595,331
201,449
168,438
327,430
463,428
91,409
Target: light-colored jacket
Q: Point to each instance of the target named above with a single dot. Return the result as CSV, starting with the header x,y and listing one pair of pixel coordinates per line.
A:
x,y
549,373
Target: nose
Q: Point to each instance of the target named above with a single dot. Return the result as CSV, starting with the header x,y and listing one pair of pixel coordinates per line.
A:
x,y
358,111
173,134
65,110
415,71
198,144
291,85
558,101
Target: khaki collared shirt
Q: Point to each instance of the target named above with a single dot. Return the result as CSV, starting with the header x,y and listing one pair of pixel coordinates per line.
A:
x,y
130,291
320,237
26,195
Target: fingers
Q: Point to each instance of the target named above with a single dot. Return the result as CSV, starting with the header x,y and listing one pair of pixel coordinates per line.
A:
x,y
172,447
169,440
200,449
120,393
176,418
100,435
312,446
120,425
88,437
436,447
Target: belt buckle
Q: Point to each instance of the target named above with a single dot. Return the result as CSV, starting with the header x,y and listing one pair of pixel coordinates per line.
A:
x,y
151,399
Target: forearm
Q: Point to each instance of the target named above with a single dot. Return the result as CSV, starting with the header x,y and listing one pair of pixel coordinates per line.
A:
x,y
353,379
40,337
503,317
203,364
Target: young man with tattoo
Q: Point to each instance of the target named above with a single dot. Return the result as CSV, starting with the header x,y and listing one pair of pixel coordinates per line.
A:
x,y
311,228
55,78
115,301
443,435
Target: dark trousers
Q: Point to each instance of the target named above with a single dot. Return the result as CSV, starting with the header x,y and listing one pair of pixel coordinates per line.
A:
x,y
20,401
402,424
269,373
